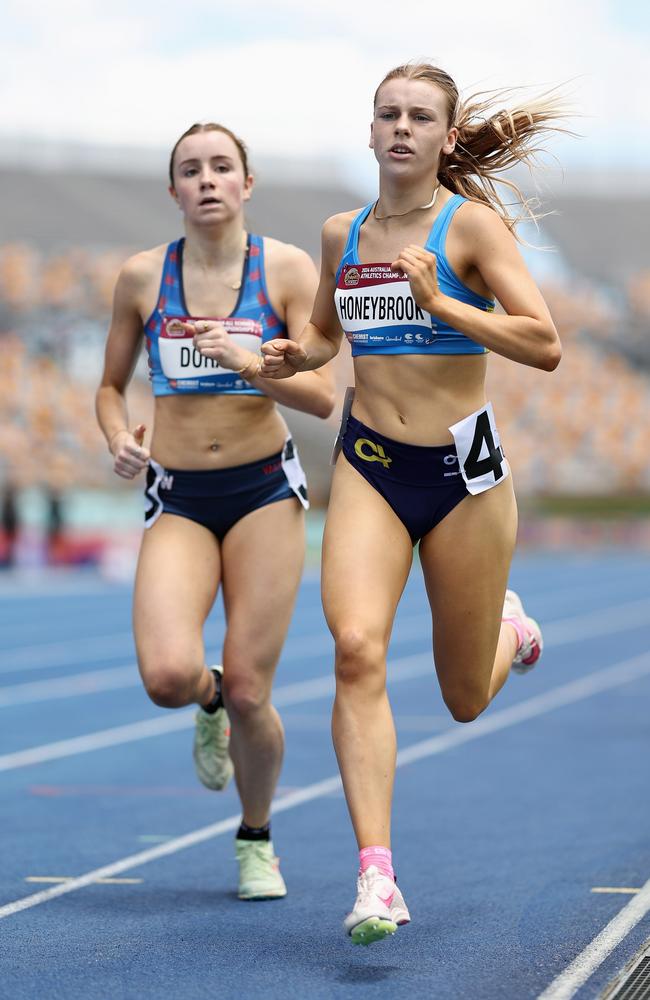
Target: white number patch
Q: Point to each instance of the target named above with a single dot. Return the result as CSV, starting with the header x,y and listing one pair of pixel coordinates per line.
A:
x,y
480,456
180,360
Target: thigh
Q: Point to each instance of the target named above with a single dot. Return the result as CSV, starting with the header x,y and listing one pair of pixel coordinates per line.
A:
x,y
175,587
263,556
465,560
367,555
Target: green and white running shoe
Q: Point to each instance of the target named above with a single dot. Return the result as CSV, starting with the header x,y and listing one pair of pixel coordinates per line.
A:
x,y
379,908
212,761
259,870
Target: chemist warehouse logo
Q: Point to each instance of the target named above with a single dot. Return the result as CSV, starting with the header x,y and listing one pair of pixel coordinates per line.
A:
x,y
371,452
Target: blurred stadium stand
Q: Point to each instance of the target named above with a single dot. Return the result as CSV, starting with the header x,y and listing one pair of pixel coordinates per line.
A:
x,y
583,430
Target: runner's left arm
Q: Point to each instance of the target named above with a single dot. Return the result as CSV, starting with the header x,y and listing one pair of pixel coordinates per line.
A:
x,y
525,331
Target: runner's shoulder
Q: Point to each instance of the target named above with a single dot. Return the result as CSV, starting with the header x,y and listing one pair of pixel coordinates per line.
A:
x,y
339,224
277,252
475,218
138,271
288,269
336,229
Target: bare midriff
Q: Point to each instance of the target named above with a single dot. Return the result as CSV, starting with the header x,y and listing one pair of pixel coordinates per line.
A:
x,y
215,432
416,398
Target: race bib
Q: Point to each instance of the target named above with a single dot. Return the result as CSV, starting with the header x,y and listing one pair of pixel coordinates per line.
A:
x,y
480,456
375,306
180,360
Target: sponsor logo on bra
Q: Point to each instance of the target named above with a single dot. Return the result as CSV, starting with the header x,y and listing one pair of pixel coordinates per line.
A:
x,y
175,328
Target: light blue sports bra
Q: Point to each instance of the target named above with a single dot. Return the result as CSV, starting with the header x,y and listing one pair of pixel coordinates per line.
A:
x,y
377,311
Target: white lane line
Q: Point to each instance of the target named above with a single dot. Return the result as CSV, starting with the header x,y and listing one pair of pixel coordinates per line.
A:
x,y
615,619
566,630
79,649
127,676
29,585
604,621
315,791
68,878
567,984
405,668
33,585
48,656
82,649
88,649
90,682
608,888
96,741
601,680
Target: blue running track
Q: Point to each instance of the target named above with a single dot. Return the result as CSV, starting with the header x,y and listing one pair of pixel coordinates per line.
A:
x,y
502,828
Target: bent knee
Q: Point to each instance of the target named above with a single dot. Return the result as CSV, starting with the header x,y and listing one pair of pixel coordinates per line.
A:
x,y
465,707
170,684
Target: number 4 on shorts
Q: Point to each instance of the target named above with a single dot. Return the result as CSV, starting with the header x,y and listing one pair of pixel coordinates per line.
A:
x,y
482,462
493,461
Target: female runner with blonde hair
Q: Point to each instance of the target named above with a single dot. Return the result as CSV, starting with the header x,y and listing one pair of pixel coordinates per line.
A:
x,y
222,474
411,280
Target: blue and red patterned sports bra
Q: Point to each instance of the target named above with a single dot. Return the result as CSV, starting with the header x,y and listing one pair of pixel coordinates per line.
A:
x,y
174,364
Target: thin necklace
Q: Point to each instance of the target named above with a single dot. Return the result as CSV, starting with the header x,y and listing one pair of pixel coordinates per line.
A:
x,y
236,285
398,215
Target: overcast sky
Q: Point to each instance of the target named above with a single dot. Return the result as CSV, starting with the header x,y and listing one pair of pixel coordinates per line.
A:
x,y
296,77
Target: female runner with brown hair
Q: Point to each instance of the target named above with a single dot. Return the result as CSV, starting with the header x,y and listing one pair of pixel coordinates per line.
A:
x,y
222,473
411,280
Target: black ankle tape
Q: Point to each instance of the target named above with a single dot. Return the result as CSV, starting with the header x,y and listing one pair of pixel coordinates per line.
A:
x,y
217,701
246,832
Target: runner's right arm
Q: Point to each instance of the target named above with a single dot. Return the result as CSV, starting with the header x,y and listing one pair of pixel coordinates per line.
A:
x,y
122,349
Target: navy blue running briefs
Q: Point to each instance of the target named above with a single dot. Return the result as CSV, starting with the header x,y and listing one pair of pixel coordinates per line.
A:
x,y
218,498
421,484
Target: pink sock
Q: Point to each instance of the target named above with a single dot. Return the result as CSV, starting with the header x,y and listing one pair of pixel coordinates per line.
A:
x,y
380,857
518,629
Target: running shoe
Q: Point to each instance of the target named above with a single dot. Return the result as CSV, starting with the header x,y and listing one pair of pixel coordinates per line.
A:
x,y
211,738
379,908
259,870
530,649
399,910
